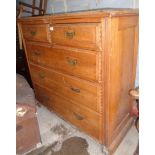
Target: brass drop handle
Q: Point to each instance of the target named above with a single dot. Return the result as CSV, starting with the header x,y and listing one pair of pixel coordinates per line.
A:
x,y
70,34
33,33
41,75
78,117
72,88
36,53
45,98
71,62
75,89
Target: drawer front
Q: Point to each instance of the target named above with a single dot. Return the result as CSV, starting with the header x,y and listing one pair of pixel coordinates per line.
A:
x,y
87,36
79,91
83,118
38,32
78,63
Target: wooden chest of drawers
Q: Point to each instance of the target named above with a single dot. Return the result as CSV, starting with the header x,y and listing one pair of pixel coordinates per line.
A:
x,y
83,65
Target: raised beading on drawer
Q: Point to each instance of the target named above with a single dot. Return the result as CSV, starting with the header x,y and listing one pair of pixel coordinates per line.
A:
x,y
39,33
78,63
86,36
87,120
79,91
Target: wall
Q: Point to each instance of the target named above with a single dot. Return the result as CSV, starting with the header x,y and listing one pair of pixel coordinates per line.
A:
x,y
60,6
56,6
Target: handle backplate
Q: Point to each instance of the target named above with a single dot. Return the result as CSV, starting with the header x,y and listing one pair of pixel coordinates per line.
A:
x,y
70,34
71,61
36,53
78,117
41,75
45,98
75,89
33,33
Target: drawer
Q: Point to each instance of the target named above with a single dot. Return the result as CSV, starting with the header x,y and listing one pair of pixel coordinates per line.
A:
x,y
39,32
87,120
87,36
78,63
78,91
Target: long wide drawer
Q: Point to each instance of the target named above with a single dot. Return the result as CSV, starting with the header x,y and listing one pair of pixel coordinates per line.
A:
x,y
39,32
83,35
79,91
78,63
87,120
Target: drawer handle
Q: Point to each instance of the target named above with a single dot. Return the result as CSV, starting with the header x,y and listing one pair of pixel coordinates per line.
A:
x,y
75,89
41,75
72,62
70,34
72,88
33,33
78,117
45,98
36,53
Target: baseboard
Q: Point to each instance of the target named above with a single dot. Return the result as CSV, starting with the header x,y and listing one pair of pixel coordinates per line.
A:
x,y
120,136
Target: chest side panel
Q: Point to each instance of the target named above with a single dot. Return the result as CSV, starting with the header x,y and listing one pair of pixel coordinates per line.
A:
x,y
121,66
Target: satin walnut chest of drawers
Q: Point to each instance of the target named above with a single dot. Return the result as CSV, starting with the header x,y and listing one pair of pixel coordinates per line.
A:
x,y
82,67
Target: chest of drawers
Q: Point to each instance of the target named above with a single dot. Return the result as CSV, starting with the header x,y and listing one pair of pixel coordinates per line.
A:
x,y
82,66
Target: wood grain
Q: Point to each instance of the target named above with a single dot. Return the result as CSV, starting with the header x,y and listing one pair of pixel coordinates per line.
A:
x,y
78,91
68,61
87,120
86,36
36,32
120,75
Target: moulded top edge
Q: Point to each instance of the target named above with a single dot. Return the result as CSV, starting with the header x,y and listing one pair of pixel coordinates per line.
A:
x,y
87,13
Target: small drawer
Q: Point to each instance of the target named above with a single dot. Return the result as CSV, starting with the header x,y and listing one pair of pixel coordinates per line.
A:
x,y
38,32
87,36
78,63
85,119
79,91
